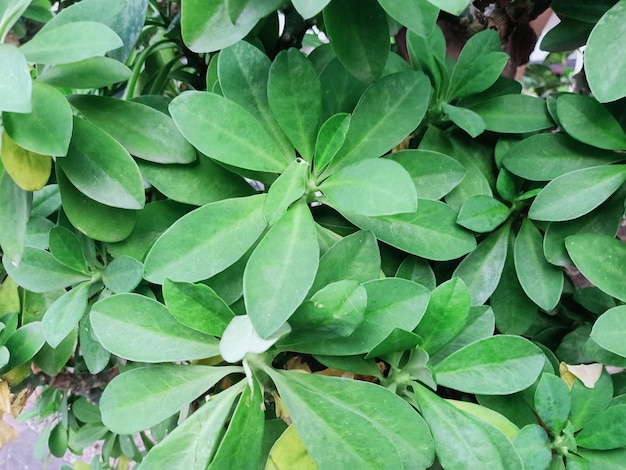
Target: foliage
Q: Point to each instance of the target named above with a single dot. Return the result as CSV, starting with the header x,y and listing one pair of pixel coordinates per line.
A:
x,y
218,252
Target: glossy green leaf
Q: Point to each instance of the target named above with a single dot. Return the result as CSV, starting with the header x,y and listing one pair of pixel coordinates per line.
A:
x,y
197,306
23,344
295,97
335,310
355,257
541,281
466,119
47,129
244,431
145,132
486,414
66,248
416,15
482,214
396,341
157,336
482,268
281,270
371,187
417,270
15,204
552,402
543,157
15,82
577,193
100,168
393,435
198,183
64,314
57,442
223,139
193,444
309,8
39,271
70,43
180,255
606,46
340,89
588,402
210,29
497,365
475,444
29,170
454,7
534,447
288,188
388,301
389,110
330,138
244,11
359,35
603,432
95,356
434,174
123,274
143,397
94,72
431,232
96,220
431,63
608,330
514,114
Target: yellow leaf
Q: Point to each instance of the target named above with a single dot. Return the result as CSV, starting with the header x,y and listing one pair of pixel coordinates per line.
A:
x,y
29,170
588,374
7,433
9,297
281,409
80,465
19,402
5,398
288,452
16,375
566,375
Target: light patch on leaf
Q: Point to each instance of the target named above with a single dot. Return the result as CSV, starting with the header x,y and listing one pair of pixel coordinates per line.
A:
x,y
588,374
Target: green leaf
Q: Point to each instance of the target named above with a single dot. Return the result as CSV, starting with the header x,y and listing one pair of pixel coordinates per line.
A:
x,y
434,174
431,232
482,214
454,7
330,138
335,310
47,129
70,42
145,132
479,65
66,249
240,338
359,35
229,228
208,28
488,415
15,82
100,168
463,441
552,402
586,120
96,220
466,119
193,444
143,397
416,15
514,114
432,62
606,46
38,271
95,356
355,257
398,340
10,13
588,402
224,139
23,344
197,306
534,447
289,452
340,89
94,72
322,408
309,8
29,170
295,97
608,330
15,204
157,336
244,11
577,193
123,274
389,110
482,268
497,365
603,432
544,157
417,270
288,188
445,317
245,430
281,270
371,187
57,442
64,314
541,281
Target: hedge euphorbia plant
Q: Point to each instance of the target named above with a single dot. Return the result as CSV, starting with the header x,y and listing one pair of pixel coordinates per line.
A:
x,y
333,260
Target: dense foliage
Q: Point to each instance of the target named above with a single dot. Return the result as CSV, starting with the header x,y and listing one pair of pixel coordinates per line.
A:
x,y
221,252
